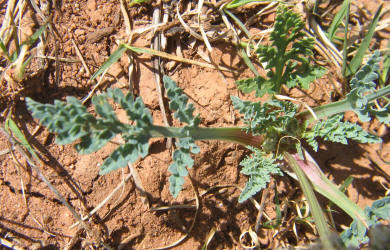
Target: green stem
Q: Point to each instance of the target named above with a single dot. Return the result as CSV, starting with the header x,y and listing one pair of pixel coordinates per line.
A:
x,y
234,134
341,106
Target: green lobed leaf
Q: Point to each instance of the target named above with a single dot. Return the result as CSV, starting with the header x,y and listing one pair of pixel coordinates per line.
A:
x,y
258,84
181,161
332,129
134,147
178,102
181,156
259,169
362,84
135,109
71,121
356,234
260,117
305,76
381,208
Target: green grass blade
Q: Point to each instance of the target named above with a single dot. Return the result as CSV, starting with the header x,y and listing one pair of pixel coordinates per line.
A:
x,y
238,22
4,50
31,40
111,60
345,52
338,18
10,125
135,2
237,3
20,70
315,208
358,58
248,61
386,67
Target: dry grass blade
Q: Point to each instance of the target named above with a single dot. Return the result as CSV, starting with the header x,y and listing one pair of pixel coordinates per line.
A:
x,y
85,99
175,58
209,237
261,210
200,23
330,50
157,70
129,35
60,59
186,27
6,29
78,53
9,244
264,11
138,184
165,208
254,239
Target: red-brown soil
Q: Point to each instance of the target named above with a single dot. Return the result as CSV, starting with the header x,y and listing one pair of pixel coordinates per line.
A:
x,y
32,216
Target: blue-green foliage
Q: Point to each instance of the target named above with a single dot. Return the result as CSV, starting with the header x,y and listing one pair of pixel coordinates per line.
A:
x,y
71,121
259,169
356,234
335,130
361,85
273,119
181,156
287,58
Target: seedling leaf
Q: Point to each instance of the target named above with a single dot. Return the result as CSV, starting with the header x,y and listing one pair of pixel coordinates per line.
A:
x,y
11,125
114,57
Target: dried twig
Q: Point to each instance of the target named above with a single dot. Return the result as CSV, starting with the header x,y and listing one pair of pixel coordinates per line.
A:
x,y
157,70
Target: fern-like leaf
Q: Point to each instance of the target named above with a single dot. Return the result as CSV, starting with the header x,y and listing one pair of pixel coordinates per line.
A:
x,y
335,130
185,146
134,147
71,121
178,102
259,169
272,119
181,161
287,58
